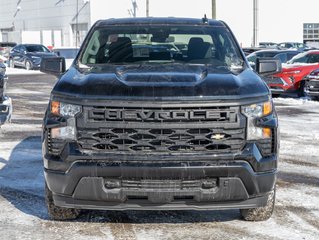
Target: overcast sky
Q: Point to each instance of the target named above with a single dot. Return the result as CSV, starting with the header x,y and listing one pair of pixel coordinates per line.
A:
x,y
279,20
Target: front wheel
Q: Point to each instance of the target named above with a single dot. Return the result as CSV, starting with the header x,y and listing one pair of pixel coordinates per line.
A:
x,y
28,65
260,213
11,63
302,89
56,212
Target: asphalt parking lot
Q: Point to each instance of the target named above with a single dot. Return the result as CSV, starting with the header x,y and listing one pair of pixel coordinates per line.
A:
x,y
23,213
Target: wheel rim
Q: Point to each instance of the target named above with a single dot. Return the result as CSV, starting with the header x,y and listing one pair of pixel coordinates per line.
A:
x,y
28,65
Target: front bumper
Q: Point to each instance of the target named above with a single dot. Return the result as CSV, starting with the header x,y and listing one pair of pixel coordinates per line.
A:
x,y
125,184
5,109
312,88
131,186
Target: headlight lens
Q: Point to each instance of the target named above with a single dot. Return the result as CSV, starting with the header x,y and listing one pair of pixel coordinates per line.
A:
x,y
69,111
256,111
67,133
64,109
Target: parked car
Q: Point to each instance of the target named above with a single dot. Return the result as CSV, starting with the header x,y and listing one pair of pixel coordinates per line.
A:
x,y
294,45
5,101
292,76
268,45
157,130
69,53
28,56
5,48
312,84
249,50
282,55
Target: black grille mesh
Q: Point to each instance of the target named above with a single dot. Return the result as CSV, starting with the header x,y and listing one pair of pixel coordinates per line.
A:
x,y
163,140
313,86
273,80
161,129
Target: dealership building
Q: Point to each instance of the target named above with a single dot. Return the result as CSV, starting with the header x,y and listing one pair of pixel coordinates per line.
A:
x,y
311,34
66,22
55,22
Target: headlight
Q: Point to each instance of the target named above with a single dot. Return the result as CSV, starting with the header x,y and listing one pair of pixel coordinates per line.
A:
x,y
252,112
64,109
67,132
69,111
34,57
257,110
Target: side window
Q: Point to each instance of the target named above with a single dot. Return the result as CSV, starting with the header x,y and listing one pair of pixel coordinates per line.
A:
x,y
290,56
282,57
302,59
17,49
92,49
227,52
288,45
22,49
314,58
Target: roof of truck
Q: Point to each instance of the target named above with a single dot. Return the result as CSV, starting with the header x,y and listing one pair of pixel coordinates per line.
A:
x,y
159,21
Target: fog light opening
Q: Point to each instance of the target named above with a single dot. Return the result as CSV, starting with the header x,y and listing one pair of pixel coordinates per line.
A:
x,y
110,184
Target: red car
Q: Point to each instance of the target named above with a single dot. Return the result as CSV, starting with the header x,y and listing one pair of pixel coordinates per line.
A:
x,y
292,76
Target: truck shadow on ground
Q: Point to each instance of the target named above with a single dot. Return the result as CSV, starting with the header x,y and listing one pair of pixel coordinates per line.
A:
x,y
22,184
21,179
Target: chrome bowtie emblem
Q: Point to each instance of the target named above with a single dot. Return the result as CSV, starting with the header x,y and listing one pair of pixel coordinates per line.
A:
x,y
217,136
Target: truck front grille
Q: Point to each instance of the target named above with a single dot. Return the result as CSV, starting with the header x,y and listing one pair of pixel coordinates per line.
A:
x,y
313,86
274,80
137,129
168,140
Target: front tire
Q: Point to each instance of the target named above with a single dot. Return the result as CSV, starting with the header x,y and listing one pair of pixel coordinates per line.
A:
x,y
56,212
260,213
28,65
11,63
302,89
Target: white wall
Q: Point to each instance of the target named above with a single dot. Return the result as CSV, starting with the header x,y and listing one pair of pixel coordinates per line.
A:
x,y
31,37
43,15
104,9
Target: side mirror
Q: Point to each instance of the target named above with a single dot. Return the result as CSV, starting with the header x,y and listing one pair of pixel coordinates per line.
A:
x,y
267,66
53,65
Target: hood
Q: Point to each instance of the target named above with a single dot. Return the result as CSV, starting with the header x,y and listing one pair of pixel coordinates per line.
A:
x,y
157,82
41,54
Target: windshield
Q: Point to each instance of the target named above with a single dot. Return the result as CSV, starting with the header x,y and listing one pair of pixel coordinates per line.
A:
x,y
160,44
36,48
306,57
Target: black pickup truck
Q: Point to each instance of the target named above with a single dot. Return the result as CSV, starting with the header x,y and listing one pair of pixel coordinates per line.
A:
x,y
160,114
5,101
